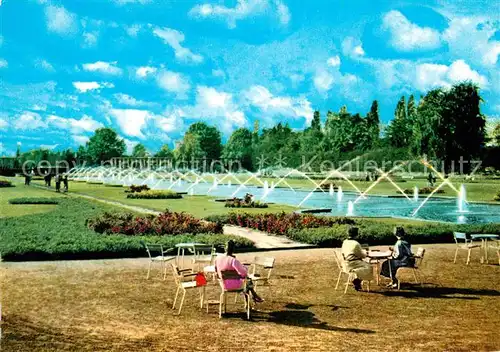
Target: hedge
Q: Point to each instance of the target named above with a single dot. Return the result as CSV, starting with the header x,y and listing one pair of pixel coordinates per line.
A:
x,y
33,201
5,184
154,195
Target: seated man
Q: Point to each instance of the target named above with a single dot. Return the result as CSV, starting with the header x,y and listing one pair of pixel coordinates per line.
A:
x,y
401,257
229,262
353,255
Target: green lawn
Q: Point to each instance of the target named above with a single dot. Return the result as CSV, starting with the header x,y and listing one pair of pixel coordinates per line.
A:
x,y
9,210
199,206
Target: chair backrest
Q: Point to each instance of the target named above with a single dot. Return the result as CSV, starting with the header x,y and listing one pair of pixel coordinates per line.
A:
x,y
339,259
460,236
176,273
153,248
419,256
266,262
228,275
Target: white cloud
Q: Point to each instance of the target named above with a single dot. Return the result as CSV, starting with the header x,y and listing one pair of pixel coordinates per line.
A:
x,y
83,87
218,73
60,21
334,61
84,124
242,10
131,121
3,123
29,121
129,145
262,98
430,76
323,80
133,30
172,122
90,39
173,82
143,71
174,39
471,38
80,139
109,68
126,99
352,47
283,12
44,65
3,63
49,146
407,36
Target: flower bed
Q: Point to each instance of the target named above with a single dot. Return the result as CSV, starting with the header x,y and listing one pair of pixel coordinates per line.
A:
x,y
154,195
137,189
239,203
423,190
5,183
33,201
167,223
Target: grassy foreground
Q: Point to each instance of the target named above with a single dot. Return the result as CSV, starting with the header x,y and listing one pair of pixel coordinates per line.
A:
x,y
110,306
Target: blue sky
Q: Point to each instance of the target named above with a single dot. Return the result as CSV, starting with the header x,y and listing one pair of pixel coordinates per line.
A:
x,y
149,68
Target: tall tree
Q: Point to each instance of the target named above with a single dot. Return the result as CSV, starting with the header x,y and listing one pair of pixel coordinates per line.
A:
x,y
239,148
104,145
373,124
316,122
189,150
399,131
165,152
496,135
139,151
209,139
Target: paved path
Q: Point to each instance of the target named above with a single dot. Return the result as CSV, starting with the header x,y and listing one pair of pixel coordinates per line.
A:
x,y
261,239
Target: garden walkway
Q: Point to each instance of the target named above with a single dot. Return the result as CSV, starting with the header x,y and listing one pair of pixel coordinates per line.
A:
x,y
261,239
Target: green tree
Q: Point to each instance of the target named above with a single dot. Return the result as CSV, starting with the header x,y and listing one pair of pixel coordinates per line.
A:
x,y
373,124
209,139
165,152
239,148
189,150
425,139
399,131
104,145
139,151
496,135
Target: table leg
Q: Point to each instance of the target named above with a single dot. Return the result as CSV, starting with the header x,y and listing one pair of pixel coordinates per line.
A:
x,y
377,272
486,250
178,255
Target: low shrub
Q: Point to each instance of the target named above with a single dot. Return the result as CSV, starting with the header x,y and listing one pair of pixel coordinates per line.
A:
x,y
239,203
137,189
423,190
167,223
5,184
112,185
33,201
154,195
280,223
497,197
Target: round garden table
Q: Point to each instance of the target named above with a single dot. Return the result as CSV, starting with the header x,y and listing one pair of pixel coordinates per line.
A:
x,y
485,237
377,257
181,249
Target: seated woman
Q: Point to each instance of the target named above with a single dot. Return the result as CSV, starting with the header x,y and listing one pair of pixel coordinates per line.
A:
x,y
229,262
353,255
401,257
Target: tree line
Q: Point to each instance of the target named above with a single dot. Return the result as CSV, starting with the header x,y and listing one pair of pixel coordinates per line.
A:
x,y
444,125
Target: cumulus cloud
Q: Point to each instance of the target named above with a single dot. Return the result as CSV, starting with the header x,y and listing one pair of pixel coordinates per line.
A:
x,y
271,105
3,123
60,21
3,63
352,47
126,99
133,30
80,139
430,76
131,121
144,71
243,9
333,61
84,87
407,36
44,65
90,39
173,82
76,126
174,38
29,121
109,68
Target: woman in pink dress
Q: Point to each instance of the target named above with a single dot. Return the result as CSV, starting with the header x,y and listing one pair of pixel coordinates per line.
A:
x,y
229,262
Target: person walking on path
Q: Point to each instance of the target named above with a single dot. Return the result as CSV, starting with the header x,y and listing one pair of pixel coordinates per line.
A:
x,y
58,182
65,183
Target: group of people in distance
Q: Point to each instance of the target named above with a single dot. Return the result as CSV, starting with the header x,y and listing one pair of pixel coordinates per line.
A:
x,y
352,252
354,256
58,179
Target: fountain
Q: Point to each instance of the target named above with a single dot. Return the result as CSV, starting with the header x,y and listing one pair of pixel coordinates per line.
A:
x,y
229,183
350,208
332,191
340,194
266,188
191,192
462,200
415,194
272,185
171,179
214,186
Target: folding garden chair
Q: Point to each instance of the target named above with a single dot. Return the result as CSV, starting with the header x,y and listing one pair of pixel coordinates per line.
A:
x,y
203,255
266,266
419,258
228,275
339,259
467,245
185,279
157,255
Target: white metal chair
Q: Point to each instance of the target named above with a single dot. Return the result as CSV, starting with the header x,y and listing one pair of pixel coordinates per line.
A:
x,y
203,255
228,275
266,266
152,250
467,245
185,279
339,259
419,258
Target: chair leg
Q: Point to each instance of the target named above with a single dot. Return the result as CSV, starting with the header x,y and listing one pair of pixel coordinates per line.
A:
x,y
347,283
456,252
338,280
182,302
164,270
202,298
248,307
225,303
399,285
221,302
175,299
415,275
149,270
468,257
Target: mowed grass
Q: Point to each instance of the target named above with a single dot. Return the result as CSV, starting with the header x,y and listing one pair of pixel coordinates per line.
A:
x,y
10,210
110,306
199,206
